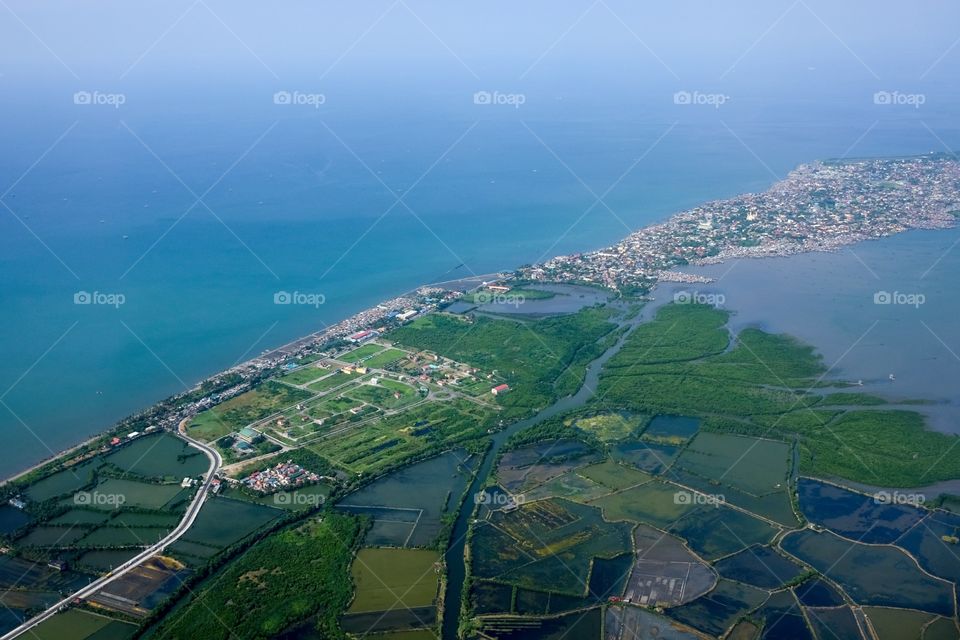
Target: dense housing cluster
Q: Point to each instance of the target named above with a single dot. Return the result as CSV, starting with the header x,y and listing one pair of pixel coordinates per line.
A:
x,y
817,207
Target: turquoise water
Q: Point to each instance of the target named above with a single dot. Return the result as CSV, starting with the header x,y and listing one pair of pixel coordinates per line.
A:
x,y
300,212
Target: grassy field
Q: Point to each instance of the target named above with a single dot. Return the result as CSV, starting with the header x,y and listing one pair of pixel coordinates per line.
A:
x,y
236,413
387,579
334,380
80,625
280,581
390,440
610,427
541,360
360,353
382,393
384,358
303,375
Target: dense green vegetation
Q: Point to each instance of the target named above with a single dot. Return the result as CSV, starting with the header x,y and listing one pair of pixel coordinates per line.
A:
x,y
762,386
541,360
282,580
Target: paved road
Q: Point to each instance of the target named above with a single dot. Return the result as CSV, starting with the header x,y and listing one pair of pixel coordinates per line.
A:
x,y
189,517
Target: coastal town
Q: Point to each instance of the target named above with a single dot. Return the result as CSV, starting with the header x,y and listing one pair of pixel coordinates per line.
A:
x,y
821,206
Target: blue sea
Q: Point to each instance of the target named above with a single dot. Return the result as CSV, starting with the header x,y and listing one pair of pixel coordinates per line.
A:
x,y
195,212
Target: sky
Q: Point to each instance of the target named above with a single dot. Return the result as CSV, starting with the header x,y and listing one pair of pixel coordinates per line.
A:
x,y
416,44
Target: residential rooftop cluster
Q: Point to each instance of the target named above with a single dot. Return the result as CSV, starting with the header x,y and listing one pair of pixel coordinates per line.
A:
x,y
818,207
286,475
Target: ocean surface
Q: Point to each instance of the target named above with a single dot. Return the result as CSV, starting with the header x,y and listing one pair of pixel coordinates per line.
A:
x,y
198,215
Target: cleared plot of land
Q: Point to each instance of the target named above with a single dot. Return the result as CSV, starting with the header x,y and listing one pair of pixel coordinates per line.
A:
x,y
394,578
80,625
142,588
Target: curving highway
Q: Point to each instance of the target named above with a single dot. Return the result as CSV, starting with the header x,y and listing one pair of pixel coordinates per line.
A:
x,y
188,519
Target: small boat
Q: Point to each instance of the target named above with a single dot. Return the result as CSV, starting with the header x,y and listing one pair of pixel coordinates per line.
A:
x,y
892,377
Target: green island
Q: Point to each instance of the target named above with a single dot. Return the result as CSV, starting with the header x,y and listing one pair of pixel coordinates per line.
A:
x,y
597,474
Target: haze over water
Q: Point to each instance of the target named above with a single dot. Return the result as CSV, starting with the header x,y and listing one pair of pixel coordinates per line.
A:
x,y
294,197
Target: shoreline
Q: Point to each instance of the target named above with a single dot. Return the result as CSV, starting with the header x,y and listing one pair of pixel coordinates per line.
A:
x,y
828,240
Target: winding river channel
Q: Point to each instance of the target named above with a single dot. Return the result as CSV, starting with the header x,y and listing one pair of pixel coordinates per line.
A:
x,y
455,554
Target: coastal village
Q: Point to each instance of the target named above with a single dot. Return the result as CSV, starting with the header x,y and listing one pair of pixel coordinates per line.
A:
x,y
818,207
